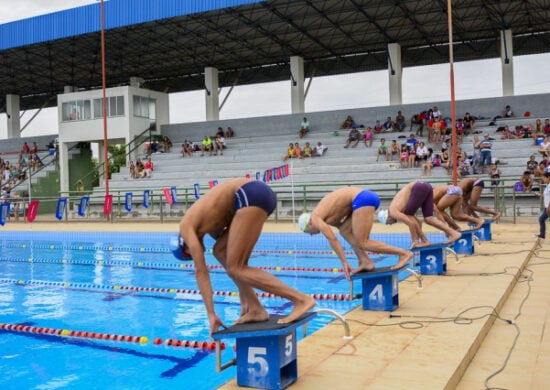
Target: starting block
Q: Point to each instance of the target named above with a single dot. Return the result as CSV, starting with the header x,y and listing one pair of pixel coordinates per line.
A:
x,y
465,244
266,352
380,288
432,259
484,232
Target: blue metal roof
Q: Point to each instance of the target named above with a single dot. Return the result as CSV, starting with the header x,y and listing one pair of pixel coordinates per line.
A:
x,y
118,13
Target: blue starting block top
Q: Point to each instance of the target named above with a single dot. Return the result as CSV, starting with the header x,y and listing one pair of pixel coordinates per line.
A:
x,y
264,328
380,288
484,232
266,352
465,244
433,260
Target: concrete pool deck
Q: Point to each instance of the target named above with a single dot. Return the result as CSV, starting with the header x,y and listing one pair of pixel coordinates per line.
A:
x,y
424,345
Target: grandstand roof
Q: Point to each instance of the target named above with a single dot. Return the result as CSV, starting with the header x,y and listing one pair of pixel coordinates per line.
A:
x,y
169,42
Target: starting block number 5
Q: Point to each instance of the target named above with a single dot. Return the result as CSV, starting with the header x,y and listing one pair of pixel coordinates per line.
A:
x,y
257,361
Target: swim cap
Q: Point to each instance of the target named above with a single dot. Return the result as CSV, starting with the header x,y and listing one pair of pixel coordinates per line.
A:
x,y
383,216
177,247
303,221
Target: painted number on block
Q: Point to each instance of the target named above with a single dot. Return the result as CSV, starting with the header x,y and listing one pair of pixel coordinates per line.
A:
x,y
462,241
288,345
256,357
376,295
432,260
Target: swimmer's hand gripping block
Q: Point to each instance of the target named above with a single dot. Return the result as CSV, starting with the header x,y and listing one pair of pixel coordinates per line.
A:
x,y
380,289
266,352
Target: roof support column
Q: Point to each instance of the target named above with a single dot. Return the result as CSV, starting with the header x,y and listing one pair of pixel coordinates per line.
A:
x,y
507,58
63,159
395,72
211,85
297,85
12,114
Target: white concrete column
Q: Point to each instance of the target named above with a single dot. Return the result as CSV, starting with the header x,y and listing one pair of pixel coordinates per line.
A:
x,y
12,115
211,85
507,59
297,85
395,73
63,159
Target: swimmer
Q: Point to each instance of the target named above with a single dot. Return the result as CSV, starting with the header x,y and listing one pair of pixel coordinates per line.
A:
x,y
233,213
450,196
414,196
472,189
351,210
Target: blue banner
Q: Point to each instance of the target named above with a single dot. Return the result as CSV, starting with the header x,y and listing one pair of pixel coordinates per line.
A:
x,y
60,210
197,193
174,192
146,198
128,201
4,212
83,206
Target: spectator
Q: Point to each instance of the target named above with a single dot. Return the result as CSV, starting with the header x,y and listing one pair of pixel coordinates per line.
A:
x,y
463,167
527,181
25,149
547,126
207,145
508,113
460,130
418,120
383,149
148,168
79,187
495,173
476,161
507,134
538,131
368,137
319,150
404,156
485,147
400,123
412,141
132,170
34,148
446,161
186,149
394,150
297,150
348,123
36,162
544,147
436,133
378,128
220,144
290,152
166,143
353,138
532,164
428,163
219,132
421,153
140,169
436,113
307,152
469,122
229,133
389,124
304,128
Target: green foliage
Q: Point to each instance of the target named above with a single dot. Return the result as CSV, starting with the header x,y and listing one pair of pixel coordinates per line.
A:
x,y
117,159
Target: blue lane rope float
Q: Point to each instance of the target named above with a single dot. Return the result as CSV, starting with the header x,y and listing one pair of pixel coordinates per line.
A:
x,y
116,287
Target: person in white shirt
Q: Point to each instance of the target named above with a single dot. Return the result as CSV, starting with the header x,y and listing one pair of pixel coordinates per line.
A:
x,y
319,150
546,209
544,147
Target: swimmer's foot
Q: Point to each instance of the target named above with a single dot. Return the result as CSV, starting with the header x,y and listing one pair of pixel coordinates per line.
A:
x,y
253,316
420,244
403,260
496,216
453,237
300,308
366,267
479,224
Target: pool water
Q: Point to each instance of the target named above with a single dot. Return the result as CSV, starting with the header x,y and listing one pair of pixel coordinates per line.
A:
x,y
67,300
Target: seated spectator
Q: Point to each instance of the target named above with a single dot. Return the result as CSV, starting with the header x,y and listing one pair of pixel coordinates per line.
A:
x,y
463,167
400,123
446,160
353,138
378,127
418,120
389,124
308,151
421,154
290,152
428,163
537,131
219,132
527,181
495,173
304,128
383,149
394,150
532,164
34,148
508,113
229,133
148,168
404,156
80,187
348,123
297,150
25,149
220,144
186,148
460,127
544,147
469,122
207,145
319,150
507,134
547,126
412,141
166,144
436,113
132,170
36,162
368,137
153,147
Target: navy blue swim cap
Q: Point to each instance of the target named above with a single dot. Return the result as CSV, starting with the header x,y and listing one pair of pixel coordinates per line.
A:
x,y
177,247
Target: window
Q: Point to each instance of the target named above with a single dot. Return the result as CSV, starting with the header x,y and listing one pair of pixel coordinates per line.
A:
x,y
115,106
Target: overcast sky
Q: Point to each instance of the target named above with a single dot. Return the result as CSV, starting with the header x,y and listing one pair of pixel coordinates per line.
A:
x,y
474,79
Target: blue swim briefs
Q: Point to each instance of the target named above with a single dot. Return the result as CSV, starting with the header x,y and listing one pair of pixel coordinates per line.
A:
x,y
256,193
365,198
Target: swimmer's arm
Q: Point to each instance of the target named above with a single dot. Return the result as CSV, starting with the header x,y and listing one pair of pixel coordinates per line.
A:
x,y
333,241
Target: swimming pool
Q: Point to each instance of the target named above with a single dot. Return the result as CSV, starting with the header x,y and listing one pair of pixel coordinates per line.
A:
x,y
97,310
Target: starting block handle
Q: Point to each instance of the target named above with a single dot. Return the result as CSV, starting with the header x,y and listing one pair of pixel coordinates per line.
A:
x,y
219,366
